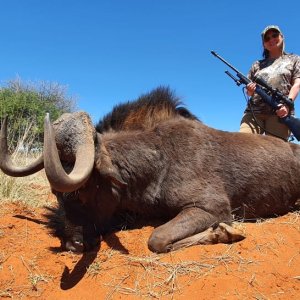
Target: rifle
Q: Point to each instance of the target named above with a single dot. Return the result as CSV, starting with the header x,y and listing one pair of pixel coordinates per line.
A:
x,y
273,97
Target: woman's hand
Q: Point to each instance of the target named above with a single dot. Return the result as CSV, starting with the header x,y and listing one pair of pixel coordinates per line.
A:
x,y
251,88
283,111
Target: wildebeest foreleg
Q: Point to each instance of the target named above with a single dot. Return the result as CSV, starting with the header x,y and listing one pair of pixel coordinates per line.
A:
x,y
224,233
190,227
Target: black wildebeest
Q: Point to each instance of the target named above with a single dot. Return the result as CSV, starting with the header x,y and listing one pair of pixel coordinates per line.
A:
x,y
175,168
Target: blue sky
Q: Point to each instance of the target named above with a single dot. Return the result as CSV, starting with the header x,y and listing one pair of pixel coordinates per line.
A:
x,y
111,51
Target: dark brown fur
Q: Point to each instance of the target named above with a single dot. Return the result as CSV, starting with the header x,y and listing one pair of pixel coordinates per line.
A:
x,y
193,176
71,220
178,169
149,109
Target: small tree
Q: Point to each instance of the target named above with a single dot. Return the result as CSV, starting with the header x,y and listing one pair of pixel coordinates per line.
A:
x,y
26,104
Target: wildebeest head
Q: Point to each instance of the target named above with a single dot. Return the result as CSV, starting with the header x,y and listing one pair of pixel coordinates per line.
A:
x,y
73,135
69,159
74,159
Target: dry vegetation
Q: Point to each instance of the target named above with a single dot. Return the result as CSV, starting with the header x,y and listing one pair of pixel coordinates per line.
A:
x,y
32,190
27,190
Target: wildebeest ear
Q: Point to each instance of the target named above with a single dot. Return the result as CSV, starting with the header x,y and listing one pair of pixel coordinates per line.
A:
x,y
105,167
115,179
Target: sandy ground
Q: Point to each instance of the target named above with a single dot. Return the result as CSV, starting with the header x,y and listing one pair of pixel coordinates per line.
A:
x,y
266,265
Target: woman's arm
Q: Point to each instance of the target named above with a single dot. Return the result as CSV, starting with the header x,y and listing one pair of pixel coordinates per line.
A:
x,y
295,89
283,111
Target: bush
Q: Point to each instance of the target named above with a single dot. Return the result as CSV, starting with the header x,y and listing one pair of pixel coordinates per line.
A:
x,y
26,104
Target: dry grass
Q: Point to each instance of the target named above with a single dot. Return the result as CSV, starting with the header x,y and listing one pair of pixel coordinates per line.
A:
x,y
155,276
30,189
34,274
294,220
31,288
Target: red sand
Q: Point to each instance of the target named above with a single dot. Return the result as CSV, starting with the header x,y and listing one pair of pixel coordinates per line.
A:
x,y
266,265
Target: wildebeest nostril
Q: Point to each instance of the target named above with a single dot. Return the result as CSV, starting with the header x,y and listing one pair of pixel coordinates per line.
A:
x,y
74,246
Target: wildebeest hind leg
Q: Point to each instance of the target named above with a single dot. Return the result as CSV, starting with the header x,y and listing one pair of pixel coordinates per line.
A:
x,y
190,227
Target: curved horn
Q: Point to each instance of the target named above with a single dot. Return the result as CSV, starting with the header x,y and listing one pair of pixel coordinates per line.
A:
x,y
7,166
58,178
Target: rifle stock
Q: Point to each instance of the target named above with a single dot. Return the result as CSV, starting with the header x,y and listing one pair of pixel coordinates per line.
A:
x,y
293,124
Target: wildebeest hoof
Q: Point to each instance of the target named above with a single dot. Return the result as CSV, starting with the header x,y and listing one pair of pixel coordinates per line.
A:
x,y
228,234
157,243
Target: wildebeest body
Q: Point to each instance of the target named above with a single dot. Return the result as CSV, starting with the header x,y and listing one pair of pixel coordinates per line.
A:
x,y
181,162
194,176
174,168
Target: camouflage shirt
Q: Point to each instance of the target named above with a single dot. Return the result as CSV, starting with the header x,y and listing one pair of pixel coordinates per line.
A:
x,y
280,73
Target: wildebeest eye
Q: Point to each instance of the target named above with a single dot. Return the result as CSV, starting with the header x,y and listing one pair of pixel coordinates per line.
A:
x,y
115,192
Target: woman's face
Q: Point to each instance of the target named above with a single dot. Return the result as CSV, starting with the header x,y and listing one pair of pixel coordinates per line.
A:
x,y
273,40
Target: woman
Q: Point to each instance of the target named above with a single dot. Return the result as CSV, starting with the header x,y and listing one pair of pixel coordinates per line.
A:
x,y
281,71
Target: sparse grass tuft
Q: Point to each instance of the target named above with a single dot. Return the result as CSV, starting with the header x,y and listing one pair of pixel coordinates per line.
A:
x,y
6,294
94,269
34,279
34,276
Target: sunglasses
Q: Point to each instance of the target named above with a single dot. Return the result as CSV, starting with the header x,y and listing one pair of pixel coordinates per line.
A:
x,y
271,36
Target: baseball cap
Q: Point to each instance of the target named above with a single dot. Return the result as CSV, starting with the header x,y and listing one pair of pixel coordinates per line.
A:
x,y
270,27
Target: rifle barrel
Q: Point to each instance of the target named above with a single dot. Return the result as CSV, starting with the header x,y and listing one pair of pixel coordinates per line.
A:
x,y
224,61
